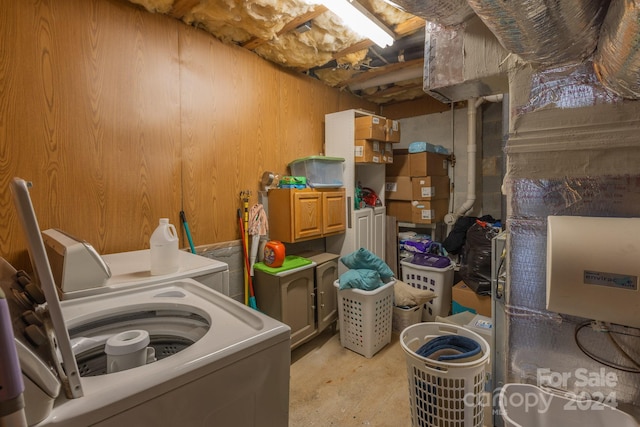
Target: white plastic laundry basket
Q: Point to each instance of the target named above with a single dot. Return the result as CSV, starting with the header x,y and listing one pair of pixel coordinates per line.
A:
x,y
406,316
444,393
438,280
365,318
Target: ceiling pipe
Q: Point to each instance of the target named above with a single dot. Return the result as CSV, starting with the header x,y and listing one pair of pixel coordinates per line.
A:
x,y
472,149
391,77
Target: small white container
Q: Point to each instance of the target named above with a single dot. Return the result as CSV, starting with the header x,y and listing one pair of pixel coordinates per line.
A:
x,y
164,249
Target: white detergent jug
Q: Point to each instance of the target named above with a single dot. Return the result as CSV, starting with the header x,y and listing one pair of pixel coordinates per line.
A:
x,y
164,249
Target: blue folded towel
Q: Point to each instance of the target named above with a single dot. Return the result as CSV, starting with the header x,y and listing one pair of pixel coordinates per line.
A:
x,y
453,347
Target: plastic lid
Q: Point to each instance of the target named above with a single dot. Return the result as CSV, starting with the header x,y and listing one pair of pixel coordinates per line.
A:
x,y
64,362
164,220
320,158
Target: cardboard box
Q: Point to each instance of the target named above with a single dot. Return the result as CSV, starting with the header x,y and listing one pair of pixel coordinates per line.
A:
x,y
365,151
418,212
398,188
428,164
399,209
388,151
419,188
429,211
400,165
465,299
371,127
430,187
393,131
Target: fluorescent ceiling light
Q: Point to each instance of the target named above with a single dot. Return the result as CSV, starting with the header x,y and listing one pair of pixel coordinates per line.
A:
x,y
359,20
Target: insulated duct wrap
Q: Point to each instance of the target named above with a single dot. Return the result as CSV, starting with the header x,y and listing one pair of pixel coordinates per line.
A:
x,y
572,150
443,12
568,86
542,341
542,31
617,60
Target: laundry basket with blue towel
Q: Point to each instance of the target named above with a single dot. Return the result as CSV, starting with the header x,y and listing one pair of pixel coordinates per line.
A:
x,y
446,368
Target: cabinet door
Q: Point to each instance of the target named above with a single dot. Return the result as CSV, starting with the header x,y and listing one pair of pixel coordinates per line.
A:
x,y
298,309
362,225
333,212
307,219
326,274
378,230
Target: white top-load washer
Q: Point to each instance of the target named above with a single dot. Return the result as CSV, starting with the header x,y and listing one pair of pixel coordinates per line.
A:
x,y
218,362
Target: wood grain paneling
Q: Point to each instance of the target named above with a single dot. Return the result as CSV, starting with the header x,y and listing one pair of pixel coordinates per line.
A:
x,y
120,117
90,121
418,107
229,131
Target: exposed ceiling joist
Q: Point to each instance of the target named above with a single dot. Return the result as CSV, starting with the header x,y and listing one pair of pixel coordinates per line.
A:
x,y
409,26
364,44
364,76
292,25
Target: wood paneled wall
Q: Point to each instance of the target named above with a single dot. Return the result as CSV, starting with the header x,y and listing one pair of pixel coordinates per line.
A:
x,y
120,117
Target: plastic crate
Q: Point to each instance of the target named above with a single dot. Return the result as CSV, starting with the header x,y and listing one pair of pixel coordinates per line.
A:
x,y
320,171
444,393
365,318
438,280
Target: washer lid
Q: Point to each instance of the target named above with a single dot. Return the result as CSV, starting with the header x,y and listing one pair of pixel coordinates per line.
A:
x,y
63,359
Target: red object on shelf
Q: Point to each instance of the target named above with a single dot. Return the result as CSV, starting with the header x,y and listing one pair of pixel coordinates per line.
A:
x,y
274,254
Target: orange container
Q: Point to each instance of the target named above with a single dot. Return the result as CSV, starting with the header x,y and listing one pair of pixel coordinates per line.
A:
x,y
274,254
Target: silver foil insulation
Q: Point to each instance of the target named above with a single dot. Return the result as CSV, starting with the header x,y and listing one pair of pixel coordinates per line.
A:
x,y
443,12
544,31
617,59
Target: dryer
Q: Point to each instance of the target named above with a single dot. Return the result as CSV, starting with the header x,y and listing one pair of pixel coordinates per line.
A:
x,y
218,361
79,271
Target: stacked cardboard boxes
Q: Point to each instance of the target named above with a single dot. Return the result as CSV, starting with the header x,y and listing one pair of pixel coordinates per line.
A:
x,y
374,136
417,187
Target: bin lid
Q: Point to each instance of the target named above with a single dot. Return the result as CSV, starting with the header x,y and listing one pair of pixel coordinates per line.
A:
x,y
290,262
319,158
430,260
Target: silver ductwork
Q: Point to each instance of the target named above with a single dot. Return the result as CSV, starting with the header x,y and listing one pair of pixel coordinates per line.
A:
x,y
443,12
452,74
543,31
617,60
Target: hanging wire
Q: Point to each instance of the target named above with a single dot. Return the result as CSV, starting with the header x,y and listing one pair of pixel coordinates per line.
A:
x,y
600,359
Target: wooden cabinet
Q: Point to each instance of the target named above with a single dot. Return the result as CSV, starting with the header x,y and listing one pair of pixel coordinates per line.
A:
x,y
297,215
304,298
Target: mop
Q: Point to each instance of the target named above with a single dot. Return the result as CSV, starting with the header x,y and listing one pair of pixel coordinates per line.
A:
x,y
244,198
258,226
250,294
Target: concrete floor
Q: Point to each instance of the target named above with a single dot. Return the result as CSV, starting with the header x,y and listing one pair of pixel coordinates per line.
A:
x,y
333,386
